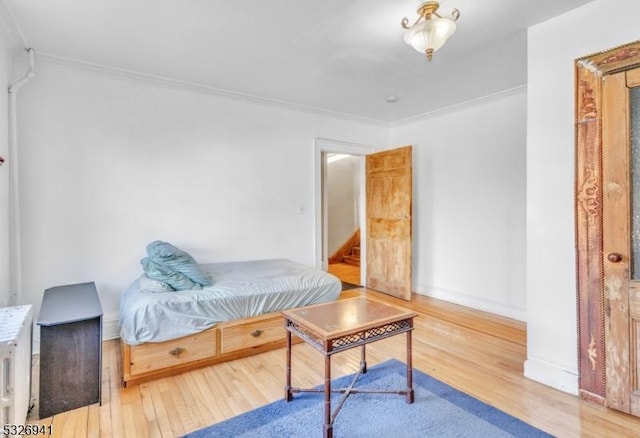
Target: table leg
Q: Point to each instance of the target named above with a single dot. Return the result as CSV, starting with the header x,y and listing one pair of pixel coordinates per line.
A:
x,y
328,427
410,393
288,396
363,360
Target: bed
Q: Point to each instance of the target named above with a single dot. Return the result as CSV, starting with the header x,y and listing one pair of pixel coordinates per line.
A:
x,y
165,332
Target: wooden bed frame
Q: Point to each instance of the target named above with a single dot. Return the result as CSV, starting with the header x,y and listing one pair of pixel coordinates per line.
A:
x,y
222,342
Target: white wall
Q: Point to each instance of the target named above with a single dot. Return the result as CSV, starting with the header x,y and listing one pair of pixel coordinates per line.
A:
x,y
551,288
343,192
5,75
110,163
469,203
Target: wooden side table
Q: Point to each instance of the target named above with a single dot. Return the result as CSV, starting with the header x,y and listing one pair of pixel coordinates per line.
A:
x,y
341,325
70,348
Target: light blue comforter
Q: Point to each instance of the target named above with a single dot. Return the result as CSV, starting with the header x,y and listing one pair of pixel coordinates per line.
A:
x,y
239,290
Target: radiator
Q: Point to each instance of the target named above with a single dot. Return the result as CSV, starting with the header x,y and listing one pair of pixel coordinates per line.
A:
x,y
16,326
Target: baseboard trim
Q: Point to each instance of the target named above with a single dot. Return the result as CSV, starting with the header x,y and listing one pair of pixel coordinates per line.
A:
x,y
110,326
551,375
473,302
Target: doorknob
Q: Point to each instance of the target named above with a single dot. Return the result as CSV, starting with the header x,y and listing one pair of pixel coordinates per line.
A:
x,y
614,257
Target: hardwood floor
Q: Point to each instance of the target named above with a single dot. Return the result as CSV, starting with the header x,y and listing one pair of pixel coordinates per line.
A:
x,y
478,353
346,272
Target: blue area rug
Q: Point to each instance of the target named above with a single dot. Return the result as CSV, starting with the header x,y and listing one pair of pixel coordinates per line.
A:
x,y
438,411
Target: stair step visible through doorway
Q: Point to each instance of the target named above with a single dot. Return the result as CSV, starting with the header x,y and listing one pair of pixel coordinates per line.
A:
x,y
353,258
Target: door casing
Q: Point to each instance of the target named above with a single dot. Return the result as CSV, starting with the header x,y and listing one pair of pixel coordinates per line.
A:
x,y
321,147
590,74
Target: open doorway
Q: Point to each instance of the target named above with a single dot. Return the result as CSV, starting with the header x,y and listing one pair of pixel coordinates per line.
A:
x,y
340,186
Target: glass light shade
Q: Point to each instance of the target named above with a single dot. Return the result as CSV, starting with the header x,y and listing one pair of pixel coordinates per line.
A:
x,y
430,34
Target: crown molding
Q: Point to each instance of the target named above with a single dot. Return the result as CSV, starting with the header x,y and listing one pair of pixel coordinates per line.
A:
x,y
11,35
458,106
59,61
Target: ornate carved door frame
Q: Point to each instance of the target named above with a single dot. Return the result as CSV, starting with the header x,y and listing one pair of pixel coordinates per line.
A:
x,y
590,73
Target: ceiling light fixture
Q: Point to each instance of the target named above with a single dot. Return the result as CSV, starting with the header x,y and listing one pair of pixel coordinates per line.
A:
x,y
430,31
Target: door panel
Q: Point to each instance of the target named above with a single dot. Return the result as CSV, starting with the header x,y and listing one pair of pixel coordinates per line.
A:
x,y
389,232
634,305
621,240
633,78
634,283
634,166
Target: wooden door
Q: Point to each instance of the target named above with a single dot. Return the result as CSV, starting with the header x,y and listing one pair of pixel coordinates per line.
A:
x,y
389,197
621,238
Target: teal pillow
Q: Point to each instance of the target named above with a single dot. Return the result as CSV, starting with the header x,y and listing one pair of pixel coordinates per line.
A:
x,y
167,255
149,285
177,280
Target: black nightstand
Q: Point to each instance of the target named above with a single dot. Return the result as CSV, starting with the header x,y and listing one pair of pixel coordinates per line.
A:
x,y
70,323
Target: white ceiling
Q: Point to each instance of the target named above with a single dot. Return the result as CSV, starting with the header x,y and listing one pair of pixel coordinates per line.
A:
x,y
342,56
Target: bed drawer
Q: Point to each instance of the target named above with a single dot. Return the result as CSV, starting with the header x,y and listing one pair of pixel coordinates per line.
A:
x,y
256,332
154,356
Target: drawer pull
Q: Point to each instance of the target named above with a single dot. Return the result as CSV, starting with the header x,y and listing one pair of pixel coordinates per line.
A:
x,y
256,333
177,351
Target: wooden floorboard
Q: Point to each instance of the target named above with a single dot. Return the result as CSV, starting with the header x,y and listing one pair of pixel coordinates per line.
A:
x,y
475,352
346,272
